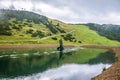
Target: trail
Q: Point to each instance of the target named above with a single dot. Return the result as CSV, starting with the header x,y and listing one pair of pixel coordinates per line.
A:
x,y
30,46
57,35
39,39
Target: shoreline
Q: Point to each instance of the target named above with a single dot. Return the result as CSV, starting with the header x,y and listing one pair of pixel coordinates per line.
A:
x,y
30,46
112,73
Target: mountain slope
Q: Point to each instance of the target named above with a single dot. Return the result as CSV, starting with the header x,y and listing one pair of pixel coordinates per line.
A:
x,y
27,22
108,30
20,27
87,36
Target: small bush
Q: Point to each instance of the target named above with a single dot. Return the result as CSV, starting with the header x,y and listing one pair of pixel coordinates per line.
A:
x,y
30,25
58,24
15,22
74,40
25,23
54,38
16,27
69,37
7,28
30,31
104,69
21,35
61,30
34,34
116,58
7,33
38,33
79,42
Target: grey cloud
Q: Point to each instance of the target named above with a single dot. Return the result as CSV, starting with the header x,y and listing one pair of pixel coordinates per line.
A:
x,y
99,11
92,4
96,8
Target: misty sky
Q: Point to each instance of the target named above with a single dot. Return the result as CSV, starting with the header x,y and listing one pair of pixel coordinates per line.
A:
x,y
71,11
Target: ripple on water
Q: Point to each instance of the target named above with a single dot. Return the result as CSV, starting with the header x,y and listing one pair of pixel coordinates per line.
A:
x,y
37,53
1,56
26,54
46,53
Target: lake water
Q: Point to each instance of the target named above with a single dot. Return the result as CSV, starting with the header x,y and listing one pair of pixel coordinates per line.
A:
x,y
46,64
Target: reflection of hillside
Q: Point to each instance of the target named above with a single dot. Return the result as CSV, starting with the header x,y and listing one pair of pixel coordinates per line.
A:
x,y
107,57
25,65
108,30
36,61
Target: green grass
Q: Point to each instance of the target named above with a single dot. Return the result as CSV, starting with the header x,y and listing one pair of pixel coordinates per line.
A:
x,y
87,36
81,56
82,33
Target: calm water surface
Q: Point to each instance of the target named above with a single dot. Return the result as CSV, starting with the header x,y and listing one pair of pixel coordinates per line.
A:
x,y
45,64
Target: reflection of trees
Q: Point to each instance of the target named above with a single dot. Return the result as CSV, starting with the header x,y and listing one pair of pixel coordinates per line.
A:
x,y
25,65
107,57
4,63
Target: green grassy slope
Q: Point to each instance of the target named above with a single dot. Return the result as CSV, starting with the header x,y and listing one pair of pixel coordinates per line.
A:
x,y
87,36
27,27
21,27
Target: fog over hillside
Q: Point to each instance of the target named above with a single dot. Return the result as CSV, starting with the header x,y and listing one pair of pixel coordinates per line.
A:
x,y
72,11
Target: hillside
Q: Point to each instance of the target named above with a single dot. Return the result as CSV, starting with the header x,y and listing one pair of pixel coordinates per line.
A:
x,y
29,21
87,36
108,30
23,27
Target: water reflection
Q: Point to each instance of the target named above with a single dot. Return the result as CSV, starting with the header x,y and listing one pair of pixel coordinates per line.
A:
x,y
68,72
35,62
107,57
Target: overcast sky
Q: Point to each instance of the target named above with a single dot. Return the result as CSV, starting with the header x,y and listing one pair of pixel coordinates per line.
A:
x,y
71,11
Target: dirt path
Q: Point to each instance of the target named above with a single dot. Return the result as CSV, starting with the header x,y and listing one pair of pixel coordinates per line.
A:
x,y
57,35
30,46
36,40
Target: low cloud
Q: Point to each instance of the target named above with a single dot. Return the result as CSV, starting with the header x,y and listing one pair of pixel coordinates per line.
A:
x,y
72,11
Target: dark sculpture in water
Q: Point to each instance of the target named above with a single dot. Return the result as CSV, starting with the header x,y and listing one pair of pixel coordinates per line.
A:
x,y
60,48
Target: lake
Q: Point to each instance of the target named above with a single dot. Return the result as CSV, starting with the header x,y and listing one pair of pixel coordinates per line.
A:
x,y
47,64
